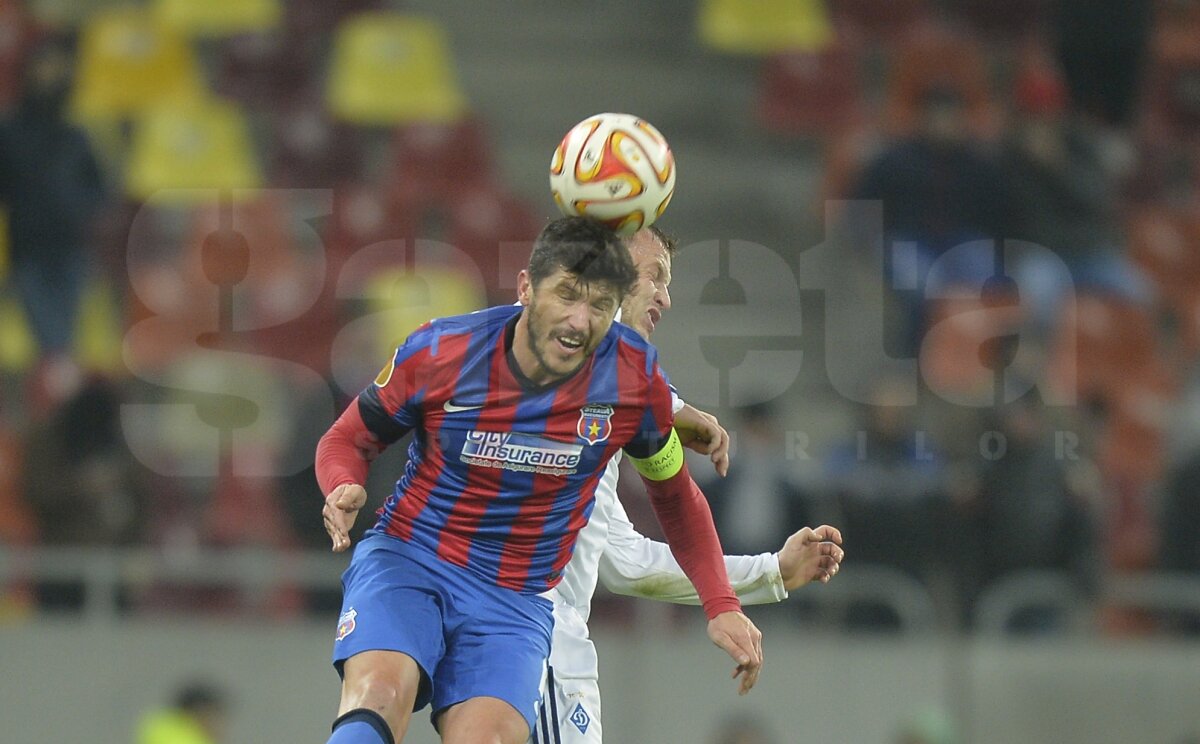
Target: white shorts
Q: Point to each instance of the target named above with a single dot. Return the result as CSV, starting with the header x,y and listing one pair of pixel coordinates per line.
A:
x,y
570,711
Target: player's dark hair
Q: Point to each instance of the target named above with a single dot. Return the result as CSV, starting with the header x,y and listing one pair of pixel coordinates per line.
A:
x,y
586,248
669,242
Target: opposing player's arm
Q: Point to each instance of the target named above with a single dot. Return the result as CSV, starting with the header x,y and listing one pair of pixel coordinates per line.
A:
x,y
636,566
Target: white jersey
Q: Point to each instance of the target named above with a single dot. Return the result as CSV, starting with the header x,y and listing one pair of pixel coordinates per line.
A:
x,y
611,550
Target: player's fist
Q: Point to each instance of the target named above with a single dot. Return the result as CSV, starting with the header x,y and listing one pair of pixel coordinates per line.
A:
x,y
734,632
340,510
810,555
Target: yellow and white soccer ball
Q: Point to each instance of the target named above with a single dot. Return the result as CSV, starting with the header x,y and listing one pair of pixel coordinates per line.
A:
x,y
615,168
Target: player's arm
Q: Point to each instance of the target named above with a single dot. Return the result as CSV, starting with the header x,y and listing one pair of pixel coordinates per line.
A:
x,y
381,414
687,523
636,566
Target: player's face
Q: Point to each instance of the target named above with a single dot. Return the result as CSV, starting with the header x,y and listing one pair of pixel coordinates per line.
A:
x,y
566,320
645,305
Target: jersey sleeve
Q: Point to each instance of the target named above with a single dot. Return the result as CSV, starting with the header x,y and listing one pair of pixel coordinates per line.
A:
x,y
636,566
655,434
391,405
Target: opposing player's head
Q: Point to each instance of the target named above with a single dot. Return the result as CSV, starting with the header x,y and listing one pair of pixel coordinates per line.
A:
x,y
652,251
578,275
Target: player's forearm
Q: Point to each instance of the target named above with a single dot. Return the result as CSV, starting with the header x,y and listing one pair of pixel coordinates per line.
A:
x,y
687,523
654,574
345,451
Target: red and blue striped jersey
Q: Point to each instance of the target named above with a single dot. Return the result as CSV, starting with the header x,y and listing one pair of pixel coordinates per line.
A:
x,y
502,474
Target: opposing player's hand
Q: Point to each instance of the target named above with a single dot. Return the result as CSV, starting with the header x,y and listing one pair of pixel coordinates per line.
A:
x,y
811,555
734,632
701,432
341,509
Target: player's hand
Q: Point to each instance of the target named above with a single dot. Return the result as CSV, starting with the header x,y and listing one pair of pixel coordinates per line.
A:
x,y
701,432
734,632
341,509
810,555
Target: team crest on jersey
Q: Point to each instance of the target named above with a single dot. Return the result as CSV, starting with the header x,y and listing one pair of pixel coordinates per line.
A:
x,y
580,718
595,423
346,623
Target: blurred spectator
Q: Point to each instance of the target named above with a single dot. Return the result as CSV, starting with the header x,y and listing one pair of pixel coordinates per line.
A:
x,y
1035,506
1064,200
1181,517
80,479
51,184
887,482
758,504
1102,46
939,189
198,715
742,729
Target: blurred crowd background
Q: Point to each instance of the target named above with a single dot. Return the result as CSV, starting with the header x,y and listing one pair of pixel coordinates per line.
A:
x,y
219,217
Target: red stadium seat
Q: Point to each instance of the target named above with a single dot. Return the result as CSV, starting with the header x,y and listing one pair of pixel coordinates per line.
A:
x,y
1101,343
1165,243
496,230
880,20
433,164
815,95
1008,21
308,149
266,69
16,36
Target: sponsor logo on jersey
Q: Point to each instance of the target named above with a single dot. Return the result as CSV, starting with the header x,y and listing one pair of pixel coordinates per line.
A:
x,y
346,623
595,423
580,718
525,453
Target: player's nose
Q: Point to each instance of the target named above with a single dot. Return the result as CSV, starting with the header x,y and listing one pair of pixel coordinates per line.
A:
x,y
663,298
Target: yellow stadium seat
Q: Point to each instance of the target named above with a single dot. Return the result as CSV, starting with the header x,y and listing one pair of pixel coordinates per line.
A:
x,y
128,61
390,68
181,148
218,17
18,349
3,243
98,329
764,27
402,300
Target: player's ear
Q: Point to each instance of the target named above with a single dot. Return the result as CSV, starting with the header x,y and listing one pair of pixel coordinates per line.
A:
x,y
524,287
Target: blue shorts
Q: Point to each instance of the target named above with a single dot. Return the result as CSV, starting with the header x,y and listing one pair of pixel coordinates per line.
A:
x,y
469,637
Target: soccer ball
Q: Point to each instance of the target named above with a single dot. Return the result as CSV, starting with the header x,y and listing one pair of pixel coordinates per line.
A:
x,y
615,168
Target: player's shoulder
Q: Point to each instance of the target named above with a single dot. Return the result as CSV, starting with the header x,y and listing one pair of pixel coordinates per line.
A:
x,y
488,320
491,317
624,338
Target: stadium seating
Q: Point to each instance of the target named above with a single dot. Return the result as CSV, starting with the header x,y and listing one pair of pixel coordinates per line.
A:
x,y
218,17
496,229
15,35
390,68
178,149
1163,243
129,62
764,26
886,21
1101,343
812,94
433,163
